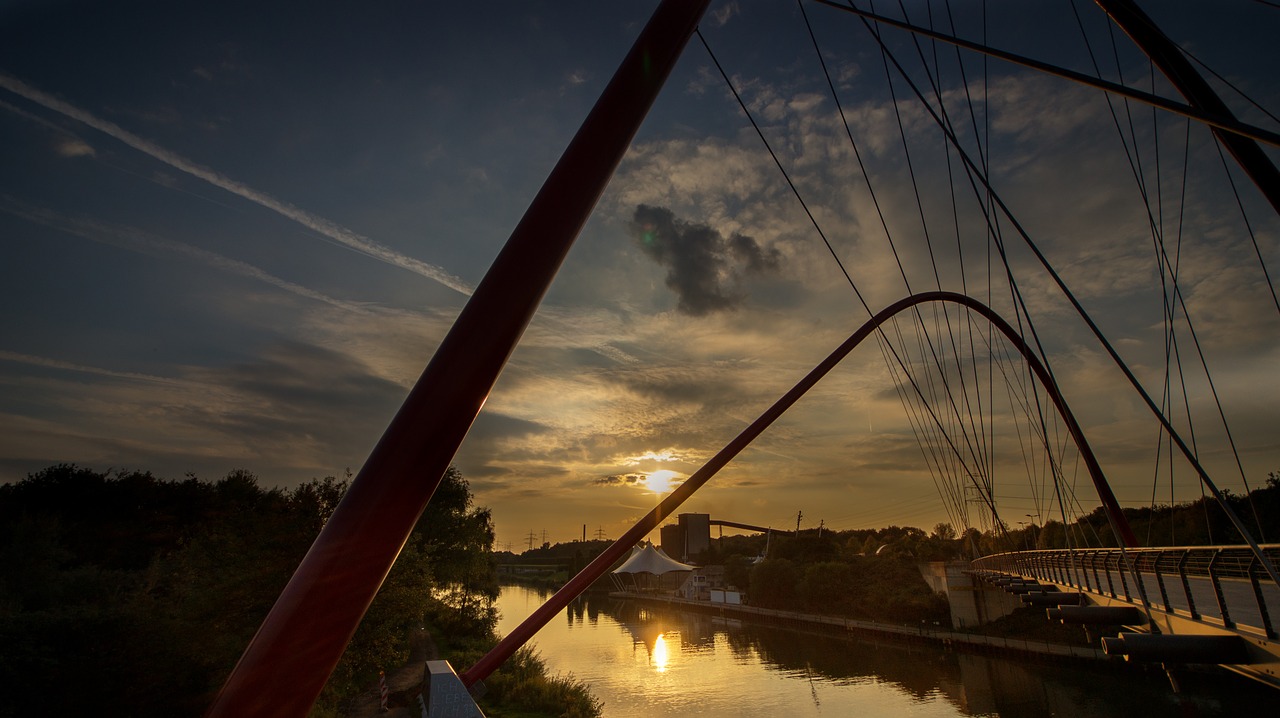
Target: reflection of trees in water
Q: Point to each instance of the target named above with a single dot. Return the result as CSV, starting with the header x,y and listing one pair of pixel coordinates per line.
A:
x,y
808,654
974,684
920,673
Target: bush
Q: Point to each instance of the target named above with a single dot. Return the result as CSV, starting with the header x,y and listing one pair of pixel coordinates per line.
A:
x,y
522,687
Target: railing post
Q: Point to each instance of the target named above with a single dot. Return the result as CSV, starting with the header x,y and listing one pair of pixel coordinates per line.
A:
x,y
1164,594
1186,584
1254,566
1106,566
1137,563
1120,569
1217,590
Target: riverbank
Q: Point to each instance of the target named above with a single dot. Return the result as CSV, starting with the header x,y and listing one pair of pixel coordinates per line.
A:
x,y
977,643
521,688
403,684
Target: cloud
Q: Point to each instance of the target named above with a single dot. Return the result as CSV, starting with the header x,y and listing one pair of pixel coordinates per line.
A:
x,y
277,394
659,456
66,144
756,259
320,225
704,268
309,378
491,426
622,480
136,240
49,363
260,412
678,385
632,479
74,147
724,13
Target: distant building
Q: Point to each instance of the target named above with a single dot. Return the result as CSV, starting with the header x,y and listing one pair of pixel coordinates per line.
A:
x,y
672,540
697,533
706,583
690,536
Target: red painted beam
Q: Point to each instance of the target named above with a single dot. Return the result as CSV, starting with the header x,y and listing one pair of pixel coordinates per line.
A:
x,y
1183,75
290,658
594,570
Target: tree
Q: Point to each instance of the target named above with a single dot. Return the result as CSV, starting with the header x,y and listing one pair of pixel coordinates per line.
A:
x,y
829,587
774,582
737,572
126,590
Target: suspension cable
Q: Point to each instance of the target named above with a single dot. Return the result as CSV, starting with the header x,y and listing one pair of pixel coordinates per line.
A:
x,y
1093,327
987,497
1225,124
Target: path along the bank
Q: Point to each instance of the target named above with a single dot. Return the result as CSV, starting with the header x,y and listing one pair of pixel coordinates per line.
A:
x,y
403,684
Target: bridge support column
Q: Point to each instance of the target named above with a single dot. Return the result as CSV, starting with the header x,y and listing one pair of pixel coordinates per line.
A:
x,y
443,695
1169,648
974,600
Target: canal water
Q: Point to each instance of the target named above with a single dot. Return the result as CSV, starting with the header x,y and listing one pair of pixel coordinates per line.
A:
x,y
651,662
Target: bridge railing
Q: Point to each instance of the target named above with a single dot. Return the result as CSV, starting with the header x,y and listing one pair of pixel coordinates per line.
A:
x,y
1223,585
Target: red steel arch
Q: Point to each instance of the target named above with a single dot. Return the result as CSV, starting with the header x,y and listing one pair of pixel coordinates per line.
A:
x,y
539,618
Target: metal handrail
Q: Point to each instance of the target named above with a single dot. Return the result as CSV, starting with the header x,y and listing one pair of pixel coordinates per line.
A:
x,y
1228,561
1217,564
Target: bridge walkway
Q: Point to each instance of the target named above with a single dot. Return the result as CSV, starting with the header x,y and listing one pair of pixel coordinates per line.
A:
x,y
1204,591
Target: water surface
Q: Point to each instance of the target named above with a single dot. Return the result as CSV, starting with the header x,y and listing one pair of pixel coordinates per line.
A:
x,y
653,663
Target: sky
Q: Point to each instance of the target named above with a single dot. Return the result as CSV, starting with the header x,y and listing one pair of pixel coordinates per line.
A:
x,y
234,234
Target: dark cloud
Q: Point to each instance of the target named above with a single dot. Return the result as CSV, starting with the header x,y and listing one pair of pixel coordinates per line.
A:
x,y
704,268
298,380
753,256
685,385
492,426
632,479
280,394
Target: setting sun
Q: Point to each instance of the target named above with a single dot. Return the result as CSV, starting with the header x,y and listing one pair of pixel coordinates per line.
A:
x,y
662,481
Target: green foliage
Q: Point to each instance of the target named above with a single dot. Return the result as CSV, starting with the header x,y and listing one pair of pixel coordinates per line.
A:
x,y
774,583
552,565
124,590
886,588
737,572
830,587
521,688
1196,523
457,539
807,547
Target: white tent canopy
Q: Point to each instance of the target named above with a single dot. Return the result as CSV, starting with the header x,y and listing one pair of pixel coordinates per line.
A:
x,y
651,560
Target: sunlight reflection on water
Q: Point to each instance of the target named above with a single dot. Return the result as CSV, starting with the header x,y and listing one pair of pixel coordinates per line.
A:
x,y
647,663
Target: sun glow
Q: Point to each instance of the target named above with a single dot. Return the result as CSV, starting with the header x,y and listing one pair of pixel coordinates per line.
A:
x,y
661,481
660,655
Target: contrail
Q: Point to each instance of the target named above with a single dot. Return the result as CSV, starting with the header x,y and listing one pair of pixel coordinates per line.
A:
x,y
85,369
135,240
565,332
321,225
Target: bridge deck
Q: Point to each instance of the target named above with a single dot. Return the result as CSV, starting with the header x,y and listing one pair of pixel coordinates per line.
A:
x,y
1202,590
